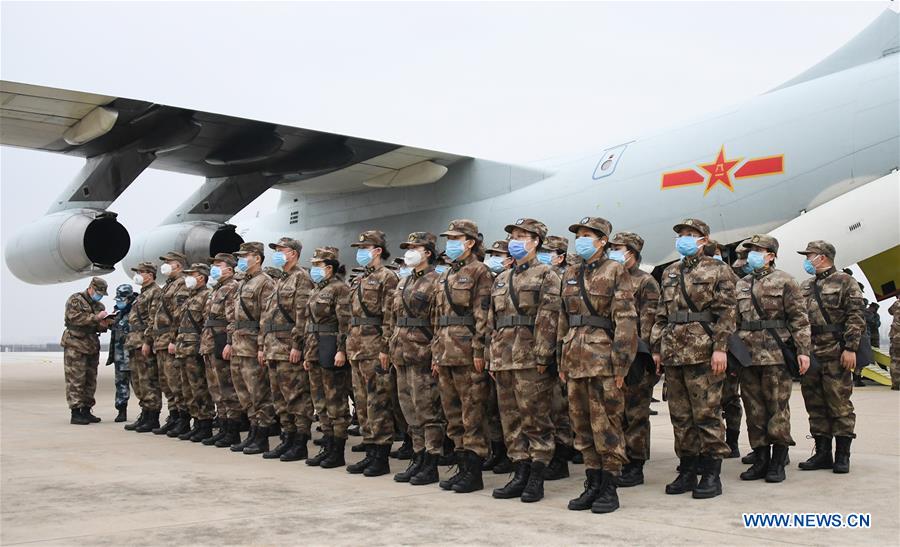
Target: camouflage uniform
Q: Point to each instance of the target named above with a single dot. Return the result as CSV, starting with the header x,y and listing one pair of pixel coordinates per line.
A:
x,y
410,351
187,350
895,345
559,410
598,347
218,315
370,331
251,380
81,346
732,411
284,327
458,340
493,426
144,370
119,358
766,385
525,304
166,310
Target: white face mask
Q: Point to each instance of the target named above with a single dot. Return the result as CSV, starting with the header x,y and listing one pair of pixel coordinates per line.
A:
x,y
190,282
165,269
138,280
211,283
412,258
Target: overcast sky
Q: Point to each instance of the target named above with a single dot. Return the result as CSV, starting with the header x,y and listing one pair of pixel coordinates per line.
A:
x,y
503,81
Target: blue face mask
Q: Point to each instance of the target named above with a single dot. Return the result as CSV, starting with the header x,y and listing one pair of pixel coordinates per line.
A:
x,y
363,257
545,258
454,249
96,297
279,259
808,266
317,274
120,304
746,268
215,272
404,272
686,245
494,263
440,269
517,249
717,257
756,260
243,264
584,246
617,256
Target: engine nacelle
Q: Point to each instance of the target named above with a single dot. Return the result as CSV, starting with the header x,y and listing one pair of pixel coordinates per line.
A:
x,y
66,246
198,240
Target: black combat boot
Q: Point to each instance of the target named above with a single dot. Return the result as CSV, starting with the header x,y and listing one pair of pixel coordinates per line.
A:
x,y
632,474
319,441
361,447
821,459
240,445
283,446
514,488
405,452
842,455
297,451
415,464
448,452
123,413
498,452
260,442
559,464
360,466
78,417
220,434
244,423
151,422
750,458
760,466
186,436
687,476
577,457
428,471
471,480
87,414
608,499
731,439
710,483
461,463
775,473
171,420
204,432
380,464
232,434
592,484
140,419
183,424
323,452
335,457
274,430
534,488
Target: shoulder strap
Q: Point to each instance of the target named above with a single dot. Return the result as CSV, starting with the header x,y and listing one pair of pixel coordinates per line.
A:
x,y
690,302
287,316
194,322
362,304
584,295
425,330
244,304
456,309
818,298
513,294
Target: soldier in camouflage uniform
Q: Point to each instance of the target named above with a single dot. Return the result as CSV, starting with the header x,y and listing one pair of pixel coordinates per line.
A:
x,y
690,338
144,369
166,309
187,353
769,304
410,350
460,326
626,249
245,348
85,318
328,321
118,351
525,304
834,303
367,348
284,325
599,337
894,310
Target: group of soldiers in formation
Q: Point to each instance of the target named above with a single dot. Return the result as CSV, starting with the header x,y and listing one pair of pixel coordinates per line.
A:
x,y
517,357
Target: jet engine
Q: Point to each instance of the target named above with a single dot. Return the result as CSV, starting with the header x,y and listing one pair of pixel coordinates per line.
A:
x,y
198,240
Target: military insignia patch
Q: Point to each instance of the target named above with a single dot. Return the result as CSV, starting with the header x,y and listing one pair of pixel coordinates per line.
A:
x,y
362,237
672,275
571,282
501,285
451,227
520,221
585,220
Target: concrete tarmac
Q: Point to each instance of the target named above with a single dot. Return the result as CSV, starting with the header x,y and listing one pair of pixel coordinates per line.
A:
x,y
101,485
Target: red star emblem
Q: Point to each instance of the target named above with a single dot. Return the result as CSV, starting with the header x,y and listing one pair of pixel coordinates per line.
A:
x,y
719,171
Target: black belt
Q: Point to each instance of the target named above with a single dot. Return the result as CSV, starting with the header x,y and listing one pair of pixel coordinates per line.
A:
x,y
322,328
215,323
83,330
412,322
763,324
357,321
247,325
590,321
505,321
447,320
690,317
187,330
271,327
822,329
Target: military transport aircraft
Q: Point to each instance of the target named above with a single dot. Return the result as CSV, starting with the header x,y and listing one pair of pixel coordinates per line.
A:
x,y
815,158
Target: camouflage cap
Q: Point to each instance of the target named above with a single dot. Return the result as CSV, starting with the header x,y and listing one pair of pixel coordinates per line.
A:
x,y
501,246
628,239
288,242
227,258
530,225
145,267
248,247
694,224
715,246
198,267
99,285
370,237
594,223
557,244
175,256
462,227
419,238
762,240
124,290
325,253
819,247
